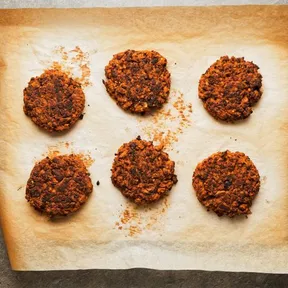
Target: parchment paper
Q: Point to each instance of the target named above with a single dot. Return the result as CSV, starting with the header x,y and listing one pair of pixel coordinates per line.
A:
x,y
176,233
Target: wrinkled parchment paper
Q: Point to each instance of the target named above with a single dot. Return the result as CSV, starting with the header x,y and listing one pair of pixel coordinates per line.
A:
x,y
177,232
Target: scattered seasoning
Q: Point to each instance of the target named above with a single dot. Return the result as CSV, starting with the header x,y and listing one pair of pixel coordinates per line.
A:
x,y
86,158
126,216
142,217
134,230
98,183
173,119
74,58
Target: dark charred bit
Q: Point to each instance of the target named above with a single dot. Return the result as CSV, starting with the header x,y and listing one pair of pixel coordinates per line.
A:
x,y
98,183
227,183
81,116
142,172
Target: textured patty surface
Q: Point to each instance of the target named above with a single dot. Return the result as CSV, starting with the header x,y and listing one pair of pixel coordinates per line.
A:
x,y
59,186
229,88
142,171
54,101
226,183
138,80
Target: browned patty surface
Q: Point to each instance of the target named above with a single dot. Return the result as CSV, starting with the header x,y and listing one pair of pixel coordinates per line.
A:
x,y
138,80
54,101
229,88
59,186
142,171
226,183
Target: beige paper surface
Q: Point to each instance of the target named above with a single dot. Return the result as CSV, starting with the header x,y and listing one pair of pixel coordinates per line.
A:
x,y
176,233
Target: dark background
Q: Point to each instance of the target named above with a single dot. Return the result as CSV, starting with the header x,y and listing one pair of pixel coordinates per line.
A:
x,y
142,278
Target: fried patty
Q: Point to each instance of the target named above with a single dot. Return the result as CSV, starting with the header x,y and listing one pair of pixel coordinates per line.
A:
x,y
229,88
59,186
226,183
54,101
142,171
138,80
